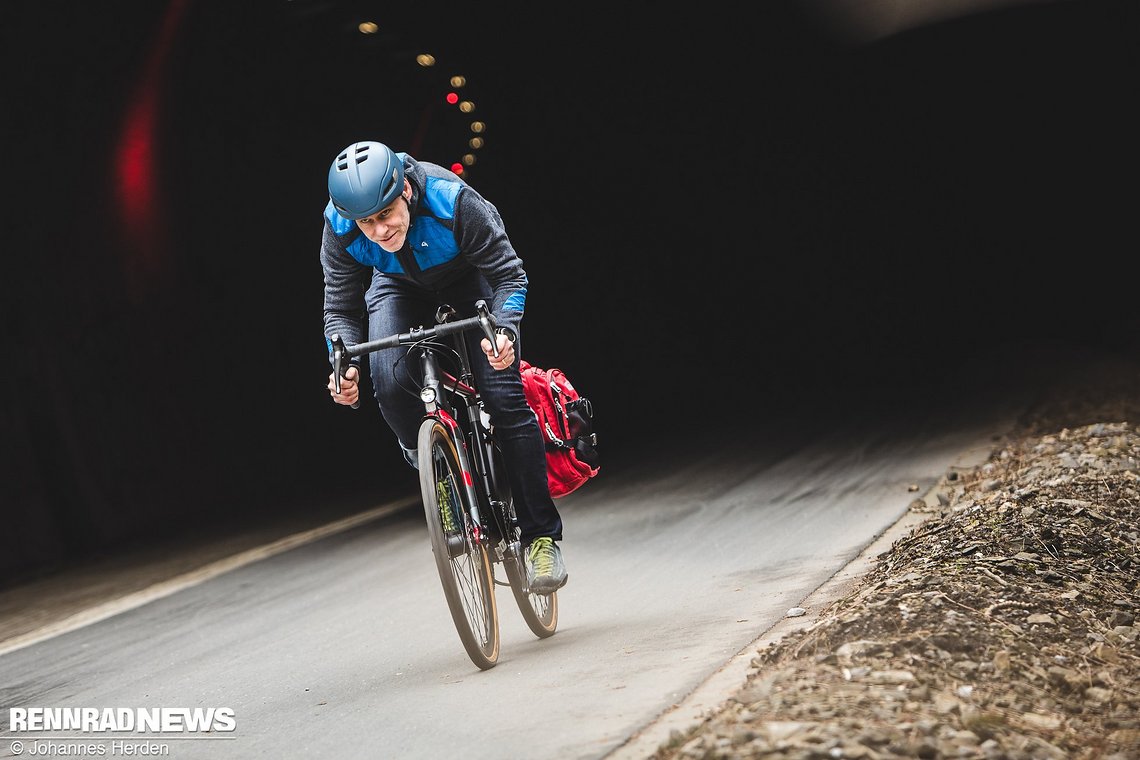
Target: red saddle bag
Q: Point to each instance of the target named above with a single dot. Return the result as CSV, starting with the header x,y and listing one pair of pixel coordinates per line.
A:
x,y
566,420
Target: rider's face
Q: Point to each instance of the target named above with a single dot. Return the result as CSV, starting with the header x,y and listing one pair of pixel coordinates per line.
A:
x,y
388,227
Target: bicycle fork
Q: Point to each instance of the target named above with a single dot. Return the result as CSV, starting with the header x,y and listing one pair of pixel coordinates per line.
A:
x,y
430,395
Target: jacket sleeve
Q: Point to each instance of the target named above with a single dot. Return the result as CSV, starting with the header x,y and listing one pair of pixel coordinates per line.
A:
x,y
345,282
483,239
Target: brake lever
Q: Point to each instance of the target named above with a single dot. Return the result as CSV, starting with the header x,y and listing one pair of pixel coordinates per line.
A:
x,y
487,322
339,368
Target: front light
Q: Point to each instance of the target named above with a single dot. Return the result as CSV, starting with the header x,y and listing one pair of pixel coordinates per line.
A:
x,y
427,394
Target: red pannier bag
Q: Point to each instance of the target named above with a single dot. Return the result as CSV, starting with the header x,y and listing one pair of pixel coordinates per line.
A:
x,y
566,420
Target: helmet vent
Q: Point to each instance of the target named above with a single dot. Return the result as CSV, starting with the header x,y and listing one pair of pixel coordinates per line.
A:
x,y
356,189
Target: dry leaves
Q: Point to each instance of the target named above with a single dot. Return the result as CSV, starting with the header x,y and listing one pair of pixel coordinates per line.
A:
x,y
1005,626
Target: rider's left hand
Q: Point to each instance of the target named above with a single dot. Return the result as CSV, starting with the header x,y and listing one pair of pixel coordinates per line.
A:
x,y
506,355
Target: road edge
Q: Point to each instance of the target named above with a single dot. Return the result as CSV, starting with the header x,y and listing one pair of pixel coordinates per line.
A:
x,y
715,690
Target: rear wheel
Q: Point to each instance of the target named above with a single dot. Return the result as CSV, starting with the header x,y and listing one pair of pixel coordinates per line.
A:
x,y
460,555
538,610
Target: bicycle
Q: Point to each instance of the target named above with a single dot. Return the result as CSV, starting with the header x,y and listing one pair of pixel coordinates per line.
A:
x,y
463,483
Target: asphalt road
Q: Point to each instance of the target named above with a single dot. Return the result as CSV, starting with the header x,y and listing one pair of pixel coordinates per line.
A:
x,y
343,647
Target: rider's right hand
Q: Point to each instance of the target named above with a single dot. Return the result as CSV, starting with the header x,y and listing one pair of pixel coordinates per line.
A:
x,y
349,387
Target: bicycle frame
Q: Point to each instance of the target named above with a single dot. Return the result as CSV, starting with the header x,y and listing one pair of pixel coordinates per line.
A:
x,y
440,385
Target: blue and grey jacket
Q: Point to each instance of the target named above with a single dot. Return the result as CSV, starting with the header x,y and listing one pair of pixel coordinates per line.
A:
x,y
453,229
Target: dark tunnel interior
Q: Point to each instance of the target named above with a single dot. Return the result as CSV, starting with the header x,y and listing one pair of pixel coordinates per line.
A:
x,y
724,218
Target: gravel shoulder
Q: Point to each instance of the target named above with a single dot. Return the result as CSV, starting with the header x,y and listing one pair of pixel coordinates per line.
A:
x,y
1002,625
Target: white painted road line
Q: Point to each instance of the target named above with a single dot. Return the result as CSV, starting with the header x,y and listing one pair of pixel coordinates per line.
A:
x,y
202,574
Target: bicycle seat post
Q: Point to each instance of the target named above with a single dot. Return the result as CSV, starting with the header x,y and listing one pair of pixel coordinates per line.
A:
x,y
444,313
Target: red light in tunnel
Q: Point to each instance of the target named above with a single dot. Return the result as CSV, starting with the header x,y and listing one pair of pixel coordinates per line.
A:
x,y
136,163
457,168
452,98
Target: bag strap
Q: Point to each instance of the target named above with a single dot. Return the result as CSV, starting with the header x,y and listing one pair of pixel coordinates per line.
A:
x,y
554,441
556,398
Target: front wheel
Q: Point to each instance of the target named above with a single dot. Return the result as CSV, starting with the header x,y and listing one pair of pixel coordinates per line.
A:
x,y
460,555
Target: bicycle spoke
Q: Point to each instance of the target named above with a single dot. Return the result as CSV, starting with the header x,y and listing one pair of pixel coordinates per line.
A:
x,y
467,575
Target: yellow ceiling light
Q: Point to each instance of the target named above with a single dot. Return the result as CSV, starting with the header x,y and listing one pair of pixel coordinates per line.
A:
x,y
477,127
425,59
476,143
458,81
469,159
466,106
368,27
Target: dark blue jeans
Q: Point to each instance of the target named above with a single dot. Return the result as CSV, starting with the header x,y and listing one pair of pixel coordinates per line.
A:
x,y
397,306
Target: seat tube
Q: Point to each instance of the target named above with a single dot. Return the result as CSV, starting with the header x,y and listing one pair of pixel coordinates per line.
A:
x,y
475,425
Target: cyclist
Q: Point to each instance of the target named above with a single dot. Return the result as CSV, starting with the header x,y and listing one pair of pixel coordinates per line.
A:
x,y
401,237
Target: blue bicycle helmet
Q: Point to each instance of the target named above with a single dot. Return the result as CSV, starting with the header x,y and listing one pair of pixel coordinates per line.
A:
x,y
364,178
